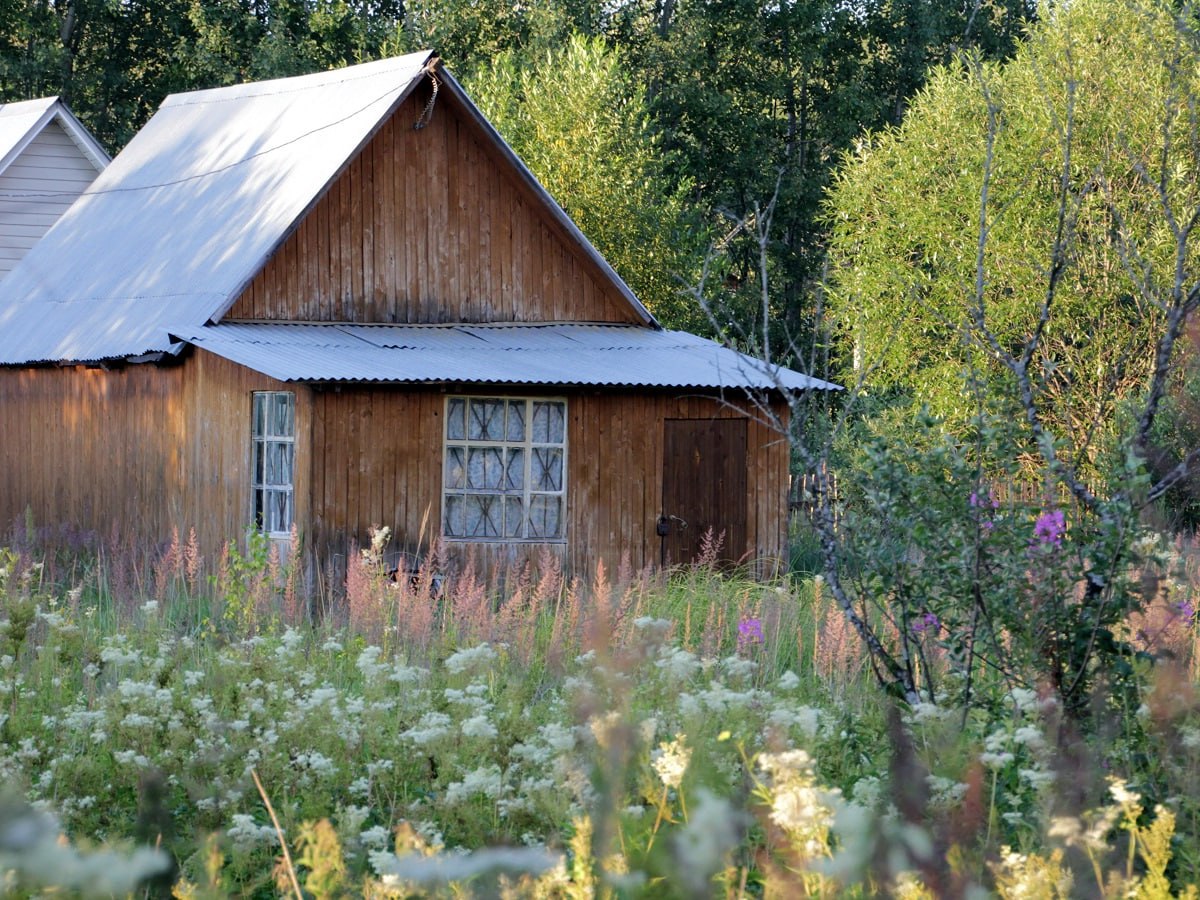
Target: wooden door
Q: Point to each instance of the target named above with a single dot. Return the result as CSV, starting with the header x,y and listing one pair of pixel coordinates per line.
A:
x,y
704,486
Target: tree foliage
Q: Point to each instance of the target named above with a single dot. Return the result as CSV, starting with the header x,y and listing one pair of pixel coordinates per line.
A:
x,y
1048,177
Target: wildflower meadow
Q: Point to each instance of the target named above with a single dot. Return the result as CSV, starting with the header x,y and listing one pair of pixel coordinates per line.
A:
x,y
167,733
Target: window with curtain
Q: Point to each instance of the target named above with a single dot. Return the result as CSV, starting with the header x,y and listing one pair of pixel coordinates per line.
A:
x,y
505,469
273,460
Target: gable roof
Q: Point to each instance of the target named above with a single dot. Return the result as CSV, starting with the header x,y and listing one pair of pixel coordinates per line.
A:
x,y
557,354
193,207
23,121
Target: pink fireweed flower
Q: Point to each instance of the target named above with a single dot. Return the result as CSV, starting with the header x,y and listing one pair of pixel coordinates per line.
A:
x,y
926,622
749,632
1049,528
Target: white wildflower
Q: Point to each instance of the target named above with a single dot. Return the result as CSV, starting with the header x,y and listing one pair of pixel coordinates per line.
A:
x,y
1036,778
945,792
473,659
677,664
670,761
1029,736
484,780
798,805
1121,793
788,681
1025,700
1189,737
432,726
479,726
376,837
737,668
995,760
246,834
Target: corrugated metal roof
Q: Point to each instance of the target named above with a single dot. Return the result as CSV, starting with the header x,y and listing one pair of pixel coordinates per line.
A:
x,y
554,354
189,211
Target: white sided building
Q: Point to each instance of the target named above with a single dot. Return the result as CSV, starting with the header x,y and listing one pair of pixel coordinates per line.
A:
x,y
47,159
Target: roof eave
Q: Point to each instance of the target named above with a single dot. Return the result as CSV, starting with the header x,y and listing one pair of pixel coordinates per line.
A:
x,y
83,139
79,135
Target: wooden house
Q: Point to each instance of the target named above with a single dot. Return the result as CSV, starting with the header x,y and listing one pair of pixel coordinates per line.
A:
x,y
340,300
47,159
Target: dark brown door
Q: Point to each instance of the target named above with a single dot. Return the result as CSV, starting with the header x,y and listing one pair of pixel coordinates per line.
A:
x,y
704,486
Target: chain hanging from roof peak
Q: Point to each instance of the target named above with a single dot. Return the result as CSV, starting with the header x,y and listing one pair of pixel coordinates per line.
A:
x,y
427,112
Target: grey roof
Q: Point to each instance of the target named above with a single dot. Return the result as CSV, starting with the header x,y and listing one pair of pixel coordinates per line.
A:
x,y
22,121
192,208
189,211
552,354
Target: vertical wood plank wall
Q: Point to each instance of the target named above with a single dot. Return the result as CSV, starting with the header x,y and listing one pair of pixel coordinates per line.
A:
x,y
377,460
144,449
91,449
137,450
425,226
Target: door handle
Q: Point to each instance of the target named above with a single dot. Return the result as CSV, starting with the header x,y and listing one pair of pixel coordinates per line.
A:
x,y
664,524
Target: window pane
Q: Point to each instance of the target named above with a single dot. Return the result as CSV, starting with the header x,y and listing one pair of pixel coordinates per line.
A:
x,y
282,414
258,462
287,468
548,423
514,470
454,524
486,420
260,510
279,464
514,516
482,515
278,517
456,467
545,517
545,473
259,419
456,420
515,431
484,468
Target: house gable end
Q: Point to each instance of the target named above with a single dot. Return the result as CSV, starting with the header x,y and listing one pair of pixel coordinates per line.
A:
x,y
40,180
437,224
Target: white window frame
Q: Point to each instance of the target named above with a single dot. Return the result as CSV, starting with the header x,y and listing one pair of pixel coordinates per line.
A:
x,y
260,486
527,491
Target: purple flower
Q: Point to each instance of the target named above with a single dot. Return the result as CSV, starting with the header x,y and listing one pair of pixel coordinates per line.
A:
x,y
1050,527
926,622
1186,610
749,632
992,500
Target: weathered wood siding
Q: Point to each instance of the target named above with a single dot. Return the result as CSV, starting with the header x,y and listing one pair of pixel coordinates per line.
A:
x,y
91,448
377,460
137,450
427,226
46,178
